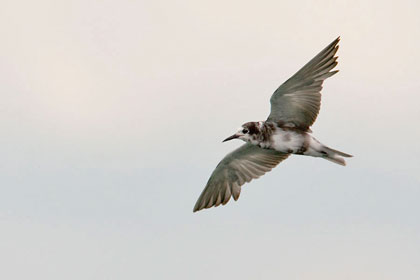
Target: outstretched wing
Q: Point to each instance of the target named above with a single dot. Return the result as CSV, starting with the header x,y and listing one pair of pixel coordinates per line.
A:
x,y
242,165
297,101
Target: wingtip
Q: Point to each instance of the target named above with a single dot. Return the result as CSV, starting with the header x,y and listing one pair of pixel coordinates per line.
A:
x,y
335,42
334,72
196,207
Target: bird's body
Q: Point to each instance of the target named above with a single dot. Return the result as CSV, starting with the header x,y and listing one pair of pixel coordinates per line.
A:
x,y
289,140
294,108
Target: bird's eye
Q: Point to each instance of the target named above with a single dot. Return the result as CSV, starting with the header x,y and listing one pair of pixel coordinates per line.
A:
x,y
245,131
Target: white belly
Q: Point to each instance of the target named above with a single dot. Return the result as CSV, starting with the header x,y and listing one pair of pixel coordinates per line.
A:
x,y
287,141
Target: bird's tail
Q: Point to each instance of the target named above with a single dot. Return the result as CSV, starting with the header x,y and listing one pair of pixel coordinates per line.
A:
x,y
335,156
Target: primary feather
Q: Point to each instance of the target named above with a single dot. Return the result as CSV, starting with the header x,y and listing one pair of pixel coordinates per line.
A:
x,y
297,101
236,168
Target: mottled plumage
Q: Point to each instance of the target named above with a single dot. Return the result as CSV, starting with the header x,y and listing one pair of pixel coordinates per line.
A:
x,y
294,108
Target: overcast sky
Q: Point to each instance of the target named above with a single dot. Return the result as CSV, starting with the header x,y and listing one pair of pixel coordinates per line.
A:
x,y
112,115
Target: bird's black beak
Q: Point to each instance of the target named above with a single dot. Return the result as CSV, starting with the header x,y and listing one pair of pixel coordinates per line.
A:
x,y
231,137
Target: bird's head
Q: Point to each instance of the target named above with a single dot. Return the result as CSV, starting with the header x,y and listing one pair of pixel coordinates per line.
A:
x,y
247,132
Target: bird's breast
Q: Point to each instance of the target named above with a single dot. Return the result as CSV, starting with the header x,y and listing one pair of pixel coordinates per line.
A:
x,y
287,141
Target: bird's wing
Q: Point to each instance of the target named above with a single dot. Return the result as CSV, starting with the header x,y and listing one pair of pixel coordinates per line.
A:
x,y
297,101
242,165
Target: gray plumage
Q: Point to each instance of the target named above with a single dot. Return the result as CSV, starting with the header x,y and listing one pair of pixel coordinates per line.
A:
x,y
294,108
298,100
237,168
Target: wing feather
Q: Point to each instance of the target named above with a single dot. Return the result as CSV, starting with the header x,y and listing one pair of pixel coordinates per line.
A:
x,y
238,167
298,100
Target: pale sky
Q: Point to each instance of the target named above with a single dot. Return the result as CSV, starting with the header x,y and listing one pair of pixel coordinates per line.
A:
x,y
112,115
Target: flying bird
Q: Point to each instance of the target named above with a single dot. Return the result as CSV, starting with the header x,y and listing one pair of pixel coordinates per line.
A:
x,y
294,108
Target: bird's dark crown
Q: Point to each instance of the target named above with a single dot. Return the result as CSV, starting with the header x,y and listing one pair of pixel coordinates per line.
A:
x,y
252,127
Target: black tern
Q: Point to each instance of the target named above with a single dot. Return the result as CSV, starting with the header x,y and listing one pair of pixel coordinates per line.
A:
x,y
294,108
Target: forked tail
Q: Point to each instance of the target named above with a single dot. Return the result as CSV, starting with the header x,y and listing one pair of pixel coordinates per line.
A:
x,y
334,156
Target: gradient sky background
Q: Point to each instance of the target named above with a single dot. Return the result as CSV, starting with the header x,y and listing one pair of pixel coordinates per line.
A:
x,y
112,115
